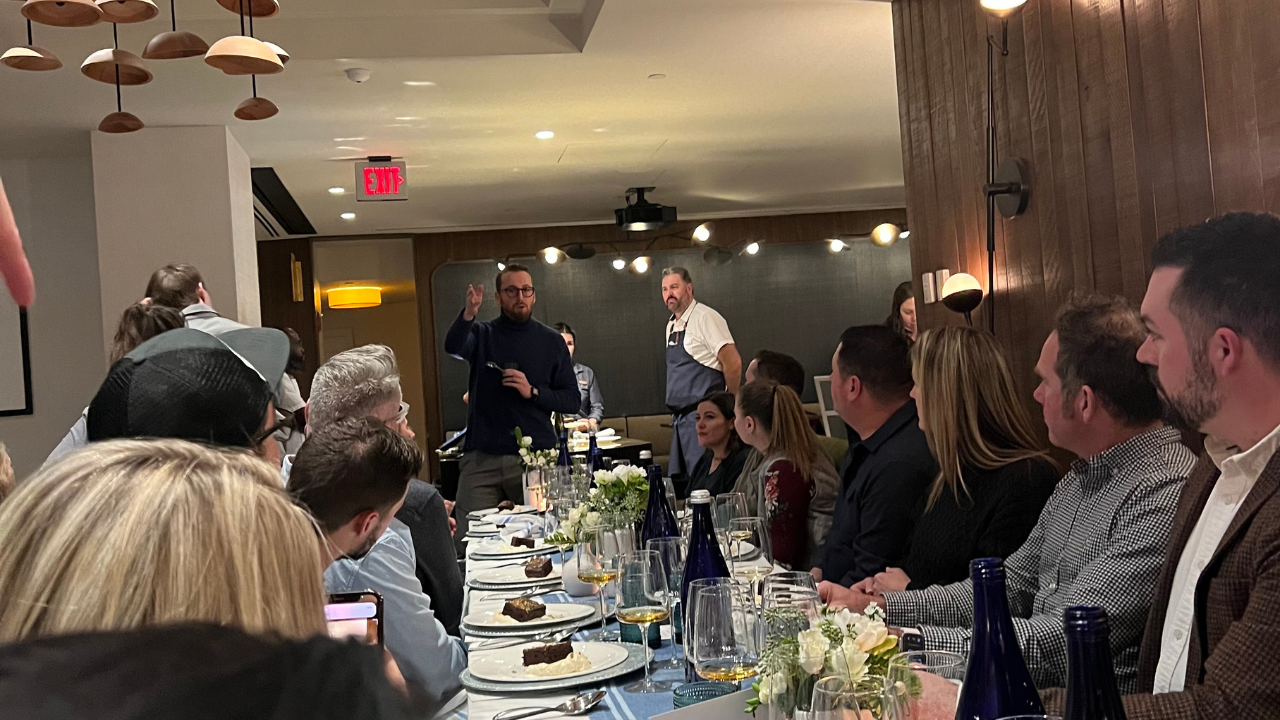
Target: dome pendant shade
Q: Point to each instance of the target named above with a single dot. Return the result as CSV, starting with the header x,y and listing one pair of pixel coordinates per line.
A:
x,y
62,13
240,55
256,8
256,108
120,122
279,51
127,11
30,57
174,46
101,66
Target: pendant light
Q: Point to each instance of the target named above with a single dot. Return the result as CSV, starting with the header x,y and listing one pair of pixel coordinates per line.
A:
x,y
174,45
62,13
256,108
30,56
119,121
279,51
111,65
242,54
255,8
127,11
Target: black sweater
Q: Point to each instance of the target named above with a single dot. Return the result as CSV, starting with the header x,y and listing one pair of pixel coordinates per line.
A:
x,y
495,411
993,520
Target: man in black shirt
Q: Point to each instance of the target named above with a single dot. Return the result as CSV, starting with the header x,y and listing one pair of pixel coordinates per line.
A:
x,y
886,473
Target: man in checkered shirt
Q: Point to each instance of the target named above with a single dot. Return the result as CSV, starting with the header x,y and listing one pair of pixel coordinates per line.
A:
x,y
1100,539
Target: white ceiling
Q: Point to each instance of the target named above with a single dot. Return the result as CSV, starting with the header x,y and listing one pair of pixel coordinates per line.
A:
x,y
767,105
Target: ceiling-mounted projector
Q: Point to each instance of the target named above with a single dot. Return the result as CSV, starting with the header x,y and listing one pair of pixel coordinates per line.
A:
x,y
640,214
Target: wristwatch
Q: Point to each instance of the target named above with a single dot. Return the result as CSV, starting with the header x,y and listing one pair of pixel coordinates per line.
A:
x,y
533,390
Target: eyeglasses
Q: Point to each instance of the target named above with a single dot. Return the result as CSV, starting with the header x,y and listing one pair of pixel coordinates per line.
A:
x,y
403,413
513,292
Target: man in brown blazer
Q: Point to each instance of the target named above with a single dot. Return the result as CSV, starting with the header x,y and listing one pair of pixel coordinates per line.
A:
x,y
1211,649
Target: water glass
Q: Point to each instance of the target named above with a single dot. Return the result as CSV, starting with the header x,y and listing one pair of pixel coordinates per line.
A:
x,y
937,673
671,553
727,507
834,698
643,599
689,611
728,634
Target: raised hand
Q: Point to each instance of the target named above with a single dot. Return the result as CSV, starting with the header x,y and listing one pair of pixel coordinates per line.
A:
x,y
475,296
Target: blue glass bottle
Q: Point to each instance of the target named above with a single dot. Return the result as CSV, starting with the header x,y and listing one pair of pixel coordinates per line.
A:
x,y
703,560
595,458
1091,677
563,460
659,521
996,681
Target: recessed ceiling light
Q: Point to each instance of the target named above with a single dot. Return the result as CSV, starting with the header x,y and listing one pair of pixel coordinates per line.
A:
x,y
399,125
348,216
419,83
350,139
657,76
337,190
406,117
599,129
544,134
348,147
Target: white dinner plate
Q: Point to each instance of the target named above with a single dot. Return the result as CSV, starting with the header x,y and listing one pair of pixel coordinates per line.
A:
x,y
503,549
482,529
743,549
507,664
514,575
556,613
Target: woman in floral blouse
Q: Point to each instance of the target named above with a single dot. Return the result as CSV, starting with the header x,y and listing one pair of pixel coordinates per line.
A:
x,y
771,419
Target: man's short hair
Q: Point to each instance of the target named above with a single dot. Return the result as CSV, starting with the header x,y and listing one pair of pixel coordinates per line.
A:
x,y
677,270
353,383
780,369
1098,341
513,268
1230,265
879,357
352,466
175,285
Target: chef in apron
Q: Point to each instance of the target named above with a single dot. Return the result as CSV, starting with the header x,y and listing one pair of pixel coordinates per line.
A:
x,y
701,358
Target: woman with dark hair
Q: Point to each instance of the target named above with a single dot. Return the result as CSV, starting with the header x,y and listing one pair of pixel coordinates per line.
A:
x,y
591,408
902,316
798,484
721,463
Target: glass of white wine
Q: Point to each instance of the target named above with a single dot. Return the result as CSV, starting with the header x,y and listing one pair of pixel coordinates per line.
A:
x,y
727,634
748,565
643,600
597,556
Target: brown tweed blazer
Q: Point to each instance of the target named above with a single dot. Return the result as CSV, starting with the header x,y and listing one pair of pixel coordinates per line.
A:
x,y
1233,665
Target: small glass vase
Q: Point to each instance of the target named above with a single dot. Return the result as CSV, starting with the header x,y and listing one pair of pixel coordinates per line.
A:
x,y
535,488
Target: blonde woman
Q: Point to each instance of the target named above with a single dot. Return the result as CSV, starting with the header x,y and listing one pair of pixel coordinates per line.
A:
x,y
125,534
995,475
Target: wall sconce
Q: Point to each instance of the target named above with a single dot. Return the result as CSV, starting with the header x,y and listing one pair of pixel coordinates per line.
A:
x,y
551,255
641,265
885,234
962,294
1006,185
702,233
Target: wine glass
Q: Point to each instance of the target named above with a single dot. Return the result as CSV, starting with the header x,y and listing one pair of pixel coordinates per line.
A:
x,y
728,506
937,676
834,698
754,531
689,612
564,505
727,634
671,553
597,555
643,599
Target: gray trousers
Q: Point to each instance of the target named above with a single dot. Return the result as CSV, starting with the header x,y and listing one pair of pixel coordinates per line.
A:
x,y
485,480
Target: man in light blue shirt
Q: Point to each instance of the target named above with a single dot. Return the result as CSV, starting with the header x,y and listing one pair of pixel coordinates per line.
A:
x,y
353,475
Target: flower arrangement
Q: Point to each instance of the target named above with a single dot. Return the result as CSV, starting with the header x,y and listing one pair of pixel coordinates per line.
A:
x,y
622,492
530,458
798,652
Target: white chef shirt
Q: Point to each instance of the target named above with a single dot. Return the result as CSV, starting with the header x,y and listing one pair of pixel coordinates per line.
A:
x,y
1240,471
705,333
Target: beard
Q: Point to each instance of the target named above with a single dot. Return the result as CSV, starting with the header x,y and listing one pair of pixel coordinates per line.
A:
x,y
364,548
1198,402
519,314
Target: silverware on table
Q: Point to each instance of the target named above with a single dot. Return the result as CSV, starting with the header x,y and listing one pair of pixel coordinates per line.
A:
x,y
574,706
554,636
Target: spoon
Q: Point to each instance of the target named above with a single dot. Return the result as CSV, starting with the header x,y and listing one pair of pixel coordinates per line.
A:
x,y
573,706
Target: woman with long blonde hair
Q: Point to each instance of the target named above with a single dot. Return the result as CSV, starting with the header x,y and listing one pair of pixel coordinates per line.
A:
x,y
994,475
797,482
125,534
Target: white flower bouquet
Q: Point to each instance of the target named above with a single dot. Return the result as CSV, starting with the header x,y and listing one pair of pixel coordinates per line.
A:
x,y
799,652
530,458
622,492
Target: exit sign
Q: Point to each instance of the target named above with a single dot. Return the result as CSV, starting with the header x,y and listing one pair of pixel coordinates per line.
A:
x,y
381,180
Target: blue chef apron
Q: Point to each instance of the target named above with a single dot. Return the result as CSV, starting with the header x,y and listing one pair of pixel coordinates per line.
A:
x,y
688,381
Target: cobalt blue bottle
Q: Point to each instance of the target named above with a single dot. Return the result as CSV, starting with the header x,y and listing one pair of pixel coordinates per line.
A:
x,y
659,521
595,458
1091,677
703,559
996,681
562,459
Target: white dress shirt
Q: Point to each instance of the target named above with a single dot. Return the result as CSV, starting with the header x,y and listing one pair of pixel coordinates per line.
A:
x,y
705,333
1240,471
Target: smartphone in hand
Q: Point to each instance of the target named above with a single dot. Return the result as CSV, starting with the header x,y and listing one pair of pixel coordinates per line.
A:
x,y
355,615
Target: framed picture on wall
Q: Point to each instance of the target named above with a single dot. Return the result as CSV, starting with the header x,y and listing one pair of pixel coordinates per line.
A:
x,y
15,358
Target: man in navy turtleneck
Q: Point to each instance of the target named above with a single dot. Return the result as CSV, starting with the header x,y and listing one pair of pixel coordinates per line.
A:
x,y
521,372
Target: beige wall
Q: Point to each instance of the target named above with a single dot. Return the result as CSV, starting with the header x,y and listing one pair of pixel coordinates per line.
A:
x,y
52,199
394,324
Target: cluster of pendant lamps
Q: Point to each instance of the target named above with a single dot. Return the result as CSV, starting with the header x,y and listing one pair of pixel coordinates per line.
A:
x,y
241,54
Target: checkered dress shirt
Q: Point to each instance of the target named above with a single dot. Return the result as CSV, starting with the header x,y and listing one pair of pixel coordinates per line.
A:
x,y
1100,541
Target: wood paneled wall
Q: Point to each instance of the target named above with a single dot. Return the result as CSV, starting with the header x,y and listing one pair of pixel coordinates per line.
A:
x,y
433,250
1135,117
275,293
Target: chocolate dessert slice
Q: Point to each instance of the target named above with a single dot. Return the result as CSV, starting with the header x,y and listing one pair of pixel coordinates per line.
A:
x,y
538,567
506,505
547,653
522,542
524,609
